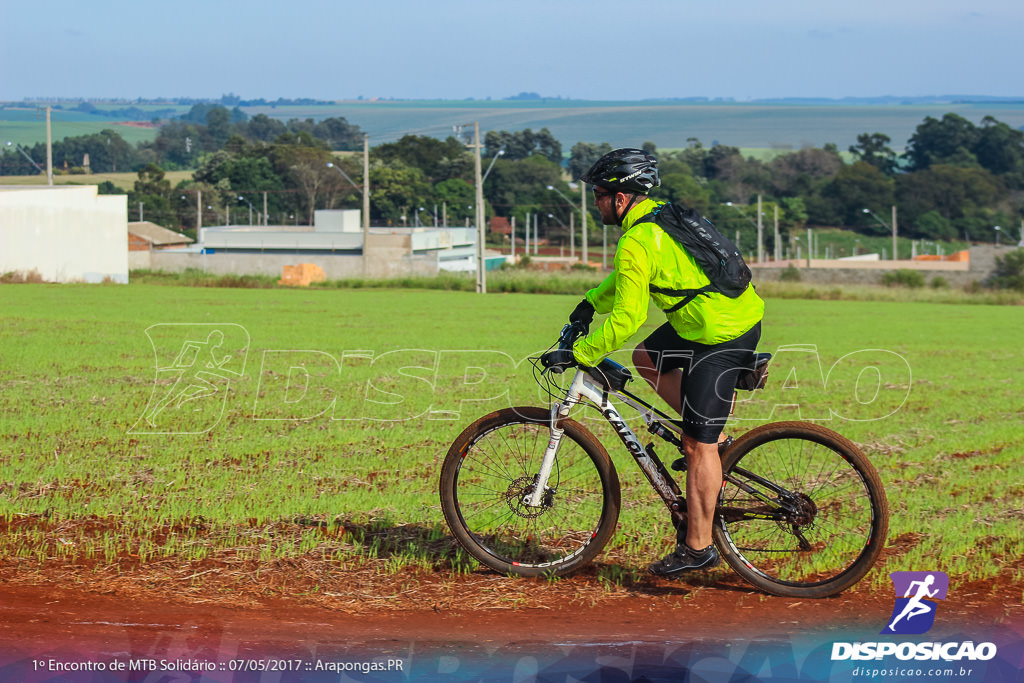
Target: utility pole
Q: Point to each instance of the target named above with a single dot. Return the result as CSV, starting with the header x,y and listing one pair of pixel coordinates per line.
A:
x,y
49,149
526,235
778,246
572,235
264,208
481,277
760,230
366,203
893,232
199,211
583,219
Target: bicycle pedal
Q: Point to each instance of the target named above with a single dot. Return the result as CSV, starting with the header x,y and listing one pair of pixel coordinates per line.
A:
x,y
679,464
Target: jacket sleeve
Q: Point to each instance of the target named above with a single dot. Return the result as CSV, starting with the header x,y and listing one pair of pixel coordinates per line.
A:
x,y
629,288
602,297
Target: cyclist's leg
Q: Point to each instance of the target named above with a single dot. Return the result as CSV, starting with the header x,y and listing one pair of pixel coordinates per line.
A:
x,y
703,482
707,401
668,385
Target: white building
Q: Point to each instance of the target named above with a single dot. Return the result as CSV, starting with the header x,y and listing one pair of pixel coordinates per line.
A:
x,y
66,233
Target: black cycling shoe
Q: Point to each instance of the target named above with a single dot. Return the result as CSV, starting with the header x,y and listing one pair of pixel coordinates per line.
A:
x,y
685,559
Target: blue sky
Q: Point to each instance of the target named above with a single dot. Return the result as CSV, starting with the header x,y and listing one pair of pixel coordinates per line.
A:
x,y
454,49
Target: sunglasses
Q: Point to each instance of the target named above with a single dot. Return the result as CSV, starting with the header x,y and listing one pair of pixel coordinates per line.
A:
x,y
598,194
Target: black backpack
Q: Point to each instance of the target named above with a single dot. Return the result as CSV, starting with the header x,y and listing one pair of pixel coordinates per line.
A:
x,y
714,253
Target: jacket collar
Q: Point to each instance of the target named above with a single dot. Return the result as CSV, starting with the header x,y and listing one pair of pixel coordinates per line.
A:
x,y
641,209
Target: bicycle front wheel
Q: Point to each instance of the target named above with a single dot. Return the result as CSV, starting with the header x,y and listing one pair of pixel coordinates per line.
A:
x,y
802,512
490,469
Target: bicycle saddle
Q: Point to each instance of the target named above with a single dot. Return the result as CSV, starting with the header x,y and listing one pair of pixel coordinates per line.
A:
x,y
756,375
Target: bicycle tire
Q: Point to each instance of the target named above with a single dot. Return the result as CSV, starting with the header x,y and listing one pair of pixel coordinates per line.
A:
x,y
485,476
844,515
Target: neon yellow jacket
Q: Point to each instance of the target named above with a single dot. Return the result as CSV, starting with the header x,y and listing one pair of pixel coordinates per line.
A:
x,y
647,256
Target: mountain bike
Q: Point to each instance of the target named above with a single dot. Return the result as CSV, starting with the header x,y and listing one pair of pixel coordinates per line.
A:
x,y
530,491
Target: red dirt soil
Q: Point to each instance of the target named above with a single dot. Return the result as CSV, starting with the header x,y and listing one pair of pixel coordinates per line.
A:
x,y
82,608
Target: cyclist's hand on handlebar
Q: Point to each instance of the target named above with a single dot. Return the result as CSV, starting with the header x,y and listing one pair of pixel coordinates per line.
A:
x,y
583,313
558,360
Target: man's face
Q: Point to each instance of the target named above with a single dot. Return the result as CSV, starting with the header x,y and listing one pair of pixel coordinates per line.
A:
x,y
605,200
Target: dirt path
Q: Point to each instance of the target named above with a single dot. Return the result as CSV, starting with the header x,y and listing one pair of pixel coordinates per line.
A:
x,y
447,629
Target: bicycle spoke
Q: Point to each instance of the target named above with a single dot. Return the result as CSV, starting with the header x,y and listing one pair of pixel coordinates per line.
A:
x,y
496,473
824,526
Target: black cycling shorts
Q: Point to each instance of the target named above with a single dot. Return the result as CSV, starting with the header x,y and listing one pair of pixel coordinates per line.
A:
x,y
709,375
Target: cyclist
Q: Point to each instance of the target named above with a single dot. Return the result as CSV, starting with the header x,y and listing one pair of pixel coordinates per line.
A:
x,y
692,361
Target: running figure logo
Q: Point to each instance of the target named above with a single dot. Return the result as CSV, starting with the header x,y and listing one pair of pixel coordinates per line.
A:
x,y
194,367
914,611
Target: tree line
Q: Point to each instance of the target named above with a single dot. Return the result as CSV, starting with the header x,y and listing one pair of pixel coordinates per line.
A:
x,y
956,180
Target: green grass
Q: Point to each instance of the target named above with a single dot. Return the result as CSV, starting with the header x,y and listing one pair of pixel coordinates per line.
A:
x,y
382,382
504,280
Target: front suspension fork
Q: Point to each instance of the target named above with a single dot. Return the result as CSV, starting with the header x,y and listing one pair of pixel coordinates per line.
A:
x,y
559,412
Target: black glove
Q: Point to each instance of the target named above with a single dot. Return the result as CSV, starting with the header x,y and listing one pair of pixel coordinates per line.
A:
x,y
583,313
558,360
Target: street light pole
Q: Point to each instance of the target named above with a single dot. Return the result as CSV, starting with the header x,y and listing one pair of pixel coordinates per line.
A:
x,y
481,277
488,171
243,199
26,155
892,227
365,189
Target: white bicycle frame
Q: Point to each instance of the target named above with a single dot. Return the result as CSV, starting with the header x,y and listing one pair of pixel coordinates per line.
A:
x,y
584,386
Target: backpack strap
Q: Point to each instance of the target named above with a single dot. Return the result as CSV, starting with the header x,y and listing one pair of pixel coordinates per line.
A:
x,y
687,294
652,217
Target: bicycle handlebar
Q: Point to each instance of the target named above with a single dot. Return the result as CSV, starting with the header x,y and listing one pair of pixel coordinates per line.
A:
x,y
570,333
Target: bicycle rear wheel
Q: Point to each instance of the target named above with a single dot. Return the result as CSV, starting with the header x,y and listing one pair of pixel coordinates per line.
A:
x,y
490,468
802,512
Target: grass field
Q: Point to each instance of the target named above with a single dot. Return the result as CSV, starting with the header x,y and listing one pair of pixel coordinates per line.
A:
x,y
336,407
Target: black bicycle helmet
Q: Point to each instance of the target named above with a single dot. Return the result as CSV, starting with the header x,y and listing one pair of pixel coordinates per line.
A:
x,y
624,170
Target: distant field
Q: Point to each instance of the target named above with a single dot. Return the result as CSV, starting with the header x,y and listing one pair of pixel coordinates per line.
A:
x,y
667,124
26,133
126,181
